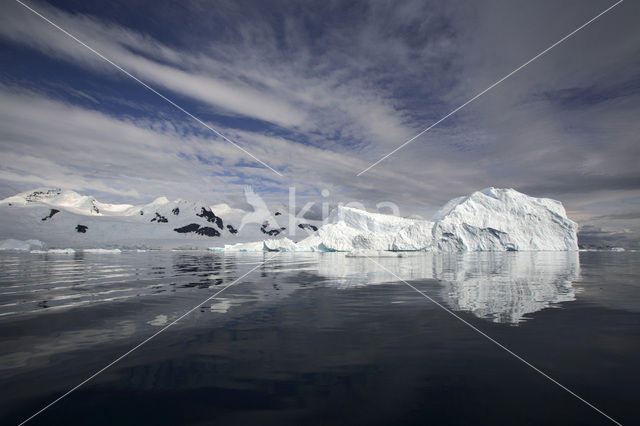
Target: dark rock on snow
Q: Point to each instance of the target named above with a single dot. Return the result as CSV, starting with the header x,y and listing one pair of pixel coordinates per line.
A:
x,y
37,195
208,231
51,213
211,217
159,218
176,211
307,226
192,227
82,229
272,232
232,229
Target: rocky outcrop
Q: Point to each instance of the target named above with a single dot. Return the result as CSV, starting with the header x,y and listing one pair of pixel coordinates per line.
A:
x,y
211,217
50,215
272,232
159,218
196,229
308,226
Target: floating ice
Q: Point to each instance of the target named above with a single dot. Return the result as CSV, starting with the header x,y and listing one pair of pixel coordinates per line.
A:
x,y
11,244
54,251
372,253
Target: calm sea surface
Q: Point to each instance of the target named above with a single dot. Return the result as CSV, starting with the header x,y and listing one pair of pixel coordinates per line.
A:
x,y
319,338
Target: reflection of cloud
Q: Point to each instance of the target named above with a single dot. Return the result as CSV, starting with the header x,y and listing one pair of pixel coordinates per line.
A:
x,y
40,351
158,321
503,287
506,287
221,306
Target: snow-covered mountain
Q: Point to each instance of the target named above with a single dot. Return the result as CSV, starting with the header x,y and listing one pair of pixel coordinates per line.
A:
x,y
63,218
488,220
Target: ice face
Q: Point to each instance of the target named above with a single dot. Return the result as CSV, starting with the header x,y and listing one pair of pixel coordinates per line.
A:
x,y
488,220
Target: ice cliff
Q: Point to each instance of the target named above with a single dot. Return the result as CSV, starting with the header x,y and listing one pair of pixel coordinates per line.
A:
x,y
488,220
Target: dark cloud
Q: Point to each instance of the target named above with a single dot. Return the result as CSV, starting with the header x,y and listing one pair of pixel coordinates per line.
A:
x,y
594,237
619,216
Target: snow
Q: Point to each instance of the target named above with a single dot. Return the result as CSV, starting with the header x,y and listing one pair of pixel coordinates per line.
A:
x,y
102,251
11,244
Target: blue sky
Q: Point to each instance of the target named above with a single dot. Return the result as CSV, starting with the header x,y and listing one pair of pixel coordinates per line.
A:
x,y
319,91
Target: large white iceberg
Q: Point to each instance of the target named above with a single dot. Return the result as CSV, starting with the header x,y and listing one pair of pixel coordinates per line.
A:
x,y
488,220
503,219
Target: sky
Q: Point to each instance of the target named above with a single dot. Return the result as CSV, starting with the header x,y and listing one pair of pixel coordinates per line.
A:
x,y
319,91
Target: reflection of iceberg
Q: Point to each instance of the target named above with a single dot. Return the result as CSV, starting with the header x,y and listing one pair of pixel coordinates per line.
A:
x,y
505,287
343,271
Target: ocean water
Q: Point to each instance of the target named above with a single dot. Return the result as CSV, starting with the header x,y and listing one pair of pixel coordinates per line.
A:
x,y
312,338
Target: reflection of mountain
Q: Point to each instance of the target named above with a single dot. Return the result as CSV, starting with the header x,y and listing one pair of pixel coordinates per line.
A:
x,y
501,286
506,287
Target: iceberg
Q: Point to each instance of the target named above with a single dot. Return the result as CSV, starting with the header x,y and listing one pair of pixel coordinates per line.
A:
x,y
54,251
489,220
241,247
283,244
504,220
102,251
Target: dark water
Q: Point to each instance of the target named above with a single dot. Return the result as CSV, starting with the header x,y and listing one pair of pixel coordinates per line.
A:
x,y
319,338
